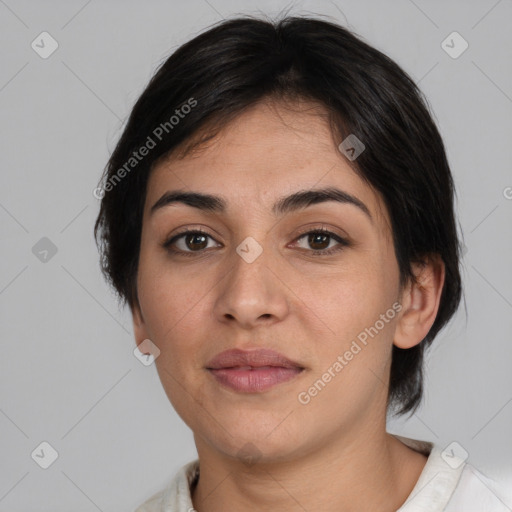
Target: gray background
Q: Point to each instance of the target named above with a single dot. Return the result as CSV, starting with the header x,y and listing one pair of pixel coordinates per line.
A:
x,y
68,373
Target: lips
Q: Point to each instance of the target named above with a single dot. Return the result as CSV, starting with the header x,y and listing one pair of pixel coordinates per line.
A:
x,y
252,371
255,359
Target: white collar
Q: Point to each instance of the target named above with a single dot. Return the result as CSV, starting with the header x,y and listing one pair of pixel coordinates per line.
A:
x,y
431,493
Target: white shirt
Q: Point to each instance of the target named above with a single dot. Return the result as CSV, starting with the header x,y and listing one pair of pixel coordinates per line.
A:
x,y
447,483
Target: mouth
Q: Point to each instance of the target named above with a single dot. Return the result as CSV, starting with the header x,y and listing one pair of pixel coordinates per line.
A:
x,y
252,372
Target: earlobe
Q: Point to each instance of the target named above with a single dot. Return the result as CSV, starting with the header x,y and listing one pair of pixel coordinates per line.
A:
x,y
420,302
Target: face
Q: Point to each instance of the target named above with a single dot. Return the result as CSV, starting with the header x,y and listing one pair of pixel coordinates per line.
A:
x,y
260,277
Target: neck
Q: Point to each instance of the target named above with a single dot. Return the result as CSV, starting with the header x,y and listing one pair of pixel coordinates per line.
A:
x,y
372,470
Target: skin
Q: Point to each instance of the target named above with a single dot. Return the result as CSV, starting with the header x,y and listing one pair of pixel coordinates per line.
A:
x,y
333,453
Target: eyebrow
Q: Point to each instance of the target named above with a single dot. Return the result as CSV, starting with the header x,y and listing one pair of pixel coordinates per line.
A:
x,y
296,201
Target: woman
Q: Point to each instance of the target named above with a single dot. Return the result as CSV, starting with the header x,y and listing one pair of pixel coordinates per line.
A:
x,y
278,215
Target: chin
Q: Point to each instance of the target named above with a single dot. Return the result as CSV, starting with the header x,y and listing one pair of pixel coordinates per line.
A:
x,y
255,442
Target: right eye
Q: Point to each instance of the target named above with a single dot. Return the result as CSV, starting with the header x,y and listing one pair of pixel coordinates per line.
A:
x,y
188,242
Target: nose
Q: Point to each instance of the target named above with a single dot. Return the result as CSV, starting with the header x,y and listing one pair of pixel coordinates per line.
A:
x,y
252,293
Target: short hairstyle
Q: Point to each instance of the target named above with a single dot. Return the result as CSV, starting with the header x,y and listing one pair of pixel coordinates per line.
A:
x,y
237,63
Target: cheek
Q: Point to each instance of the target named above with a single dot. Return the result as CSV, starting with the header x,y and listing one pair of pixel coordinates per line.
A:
x,y
349,300
166,298
356,309
173,310
354,354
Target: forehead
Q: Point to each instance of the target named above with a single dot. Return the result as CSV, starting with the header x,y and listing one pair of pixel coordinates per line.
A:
x,y
268,151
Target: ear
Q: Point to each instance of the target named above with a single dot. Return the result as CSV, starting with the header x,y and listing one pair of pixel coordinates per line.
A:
x,y
139,326
420,302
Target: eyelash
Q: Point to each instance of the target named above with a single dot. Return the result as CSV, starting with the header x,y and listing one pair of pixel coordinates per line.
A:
x,y
314,252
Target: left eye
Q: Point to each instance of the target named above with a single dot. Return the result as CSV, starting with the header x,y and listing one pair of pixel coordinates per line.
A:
x,y
320,241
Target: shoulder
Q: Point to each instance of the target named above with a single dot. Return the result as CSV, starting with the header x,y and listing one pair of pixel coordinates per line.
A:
x,y
477,491
448,483
153,504
176,496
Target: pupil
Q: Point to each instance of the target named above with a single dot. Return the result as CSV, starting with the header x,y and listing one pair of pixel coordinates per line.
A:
x,y
196,236
313,239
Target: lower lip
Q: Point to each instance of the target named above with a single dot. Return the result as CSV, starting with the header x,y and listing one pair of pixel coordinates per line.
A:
x,y
256,380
